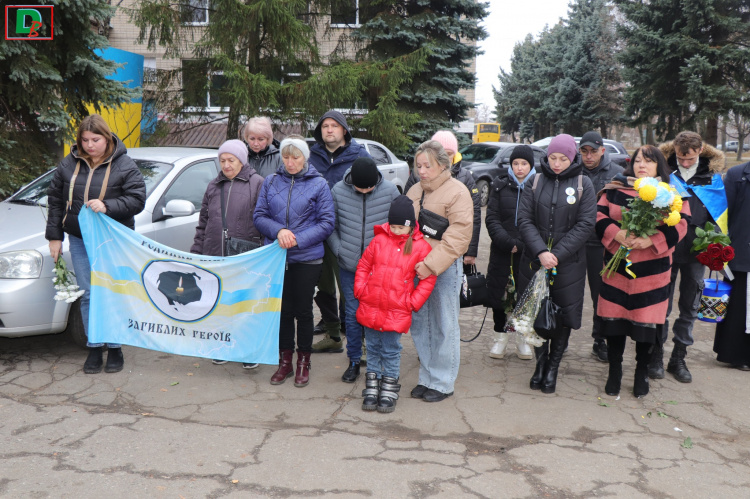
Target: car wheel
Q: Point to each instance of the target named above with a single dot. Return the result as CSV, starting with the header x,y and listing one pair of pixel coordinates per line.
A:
x,y
484,191
75,329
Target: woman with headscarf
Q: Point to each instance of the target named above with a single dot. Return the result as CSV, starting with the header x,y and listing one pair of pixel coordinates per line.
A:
x,y
507,245
555,220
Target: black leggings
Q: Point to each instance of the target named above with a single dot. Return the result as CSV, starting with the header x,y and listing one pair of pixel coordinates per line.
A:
x,y
300,280
616,347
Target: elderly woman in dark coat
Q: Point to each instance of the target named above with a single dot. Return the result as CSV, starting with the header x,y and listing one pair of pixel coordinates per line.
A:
x,y
507,246
556,218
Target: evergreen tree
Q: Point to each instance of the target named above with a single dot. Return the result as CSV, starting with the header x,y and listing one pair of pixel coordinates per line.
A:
x,y
686,61
45,86
447,30
267,53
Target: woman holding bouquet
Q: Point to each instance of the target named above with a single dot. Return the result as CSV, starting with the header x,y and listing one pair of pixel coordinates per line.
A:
x,y
556,218
633,298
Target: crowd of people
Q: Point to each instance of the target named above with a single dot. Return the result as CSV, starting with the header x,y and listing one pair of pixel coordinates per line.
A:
x,y
397,259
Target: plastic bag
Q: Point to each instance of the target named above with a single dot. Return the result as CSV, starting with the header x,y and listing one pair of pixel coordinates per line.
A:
x,y
521,320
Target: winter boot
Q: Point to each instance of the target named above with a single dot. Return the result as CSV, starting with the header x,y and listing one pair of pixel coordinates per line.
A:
x,y
94,361
285,367
677,365
302,376
389,389
352,373
600,350
656,363
642,357
615,349
556,351
115,361
523,349
371,392
498,348
542,356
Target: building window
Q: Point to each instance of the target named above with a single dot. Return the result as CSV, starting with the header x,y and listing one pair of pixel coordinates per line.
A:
x,y
195,12
149,70
202,88
351,14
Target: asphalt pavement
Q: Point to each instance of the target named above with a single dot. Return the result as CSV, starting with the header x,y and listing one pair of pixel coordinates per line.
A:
x,y
170,426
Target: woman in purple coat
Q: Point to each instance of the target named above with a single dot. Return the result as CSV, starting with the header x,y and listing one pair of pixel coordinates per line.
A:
x,y
295,207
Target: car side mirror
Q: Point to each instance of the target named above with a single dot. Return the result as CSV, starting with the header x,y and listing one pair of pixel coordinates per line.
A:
x,y
178,208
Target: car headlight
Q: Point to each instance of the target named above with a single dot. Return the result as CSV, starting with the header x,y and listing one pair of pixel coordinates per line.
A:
x,y
20,265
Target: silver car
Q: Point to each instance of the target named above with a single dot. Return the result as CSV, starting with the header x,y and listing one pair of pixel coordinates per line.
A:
x,y
176,179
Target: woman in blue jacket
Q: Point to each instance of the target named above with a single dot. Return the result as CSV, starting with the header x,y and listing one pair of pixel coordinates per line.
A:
x,y
295,207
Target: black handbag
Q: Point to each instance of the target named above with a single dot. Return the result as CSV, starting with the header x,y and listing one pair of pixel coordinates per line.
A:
x,y
548,322
473,289
234,245
431,224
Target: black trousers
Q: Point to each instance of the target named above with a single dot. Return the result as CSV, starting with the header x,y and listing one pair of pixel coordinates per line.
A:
x,y
594,265
297,304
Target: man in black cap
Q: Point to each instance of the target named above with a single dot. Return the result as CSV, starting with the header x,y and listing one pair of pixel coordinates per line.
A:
x,y
600,170
332,154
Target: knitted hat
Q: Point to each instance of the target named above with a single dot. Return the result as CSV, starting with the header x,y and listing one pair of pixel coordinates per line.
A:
x,y
298,144
364,173
447,140
522,152
402,212
564,144
592,139
236,148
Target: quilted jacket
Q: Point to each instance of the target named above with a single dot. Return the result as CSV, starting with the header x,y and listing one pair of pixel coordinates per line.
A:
x,y
384,281
357,215
333,169
301,203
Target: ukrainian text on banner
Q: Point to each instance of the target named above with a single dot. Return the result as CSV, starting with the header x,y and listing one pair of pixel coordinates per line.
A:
x,y
148,295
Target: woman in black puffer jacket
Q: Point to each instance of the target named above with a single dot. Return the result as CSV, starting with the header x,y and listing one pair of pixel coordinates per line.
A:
x,y
507,245
560,211
106,180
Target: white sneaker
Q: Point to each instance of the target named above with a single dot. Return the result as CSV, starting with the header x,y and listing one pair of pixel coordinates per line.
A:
x,y
523,349
498,349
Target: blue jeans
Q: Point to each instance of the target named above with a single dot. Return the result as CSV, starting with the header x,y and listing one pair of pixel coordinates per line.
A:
x,y
436,332
353,329
82,269
383,352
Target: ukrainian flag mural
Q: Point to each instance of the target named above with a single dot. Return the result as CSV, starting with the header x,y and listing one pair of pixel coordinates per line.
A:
x,y
148,295
125,121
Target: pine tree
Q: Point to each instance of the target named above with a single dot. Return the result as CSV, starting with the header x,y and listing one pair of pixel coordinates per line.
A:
x,y
685,61
446,29
45,86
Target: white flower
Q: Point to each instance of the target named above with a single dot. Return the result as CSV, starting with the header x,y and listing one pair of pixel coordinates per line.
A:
x,y
72,287
58,298
71,300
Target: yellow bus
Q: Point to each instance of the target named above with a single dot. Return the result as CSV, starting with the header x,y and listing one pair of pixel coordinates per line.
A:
x,y
486,132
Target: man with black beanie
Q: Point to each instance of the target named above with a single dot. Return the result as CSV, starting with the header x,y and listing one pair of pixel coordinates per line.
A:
x,y
600,170
332,154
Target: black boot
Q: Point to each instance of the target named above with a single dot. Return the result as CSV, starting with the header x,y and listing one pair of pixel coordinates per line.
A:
x,y
388,396
677,365
542,356
642,357
371,392
615,349
352,373
556,350
115,361
94,361
656,362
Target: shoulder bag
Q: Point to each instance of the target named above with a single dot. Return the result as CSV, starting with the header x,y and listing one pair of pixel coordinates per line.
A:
x,y
234,245
432,225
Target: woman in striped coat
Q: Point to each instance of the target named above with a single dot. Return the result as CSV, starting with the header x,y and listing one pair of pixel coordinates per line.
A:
x,y
635,307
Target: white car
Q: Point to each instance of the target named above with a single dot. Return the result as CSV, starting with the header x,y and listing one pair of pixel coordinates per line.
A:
x,y
176,179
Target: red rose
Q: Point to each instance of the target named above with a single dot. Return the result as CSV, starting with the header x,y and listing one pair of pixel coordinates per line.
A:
x,y
714,250
704,259
716,265
727,253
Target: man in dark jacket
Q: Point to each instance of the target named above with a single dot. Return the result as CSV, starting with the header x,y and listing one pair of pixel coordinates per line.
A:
x,y
694,164
332,155
600,170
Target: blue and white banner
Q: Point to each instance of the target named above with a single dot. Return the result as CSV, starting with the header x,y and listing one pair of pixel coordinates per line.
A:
x,y
149,295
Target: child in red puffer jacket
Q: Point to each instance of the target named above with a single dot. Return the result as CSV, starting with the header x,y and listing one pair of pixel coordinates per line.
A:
x,y
384,286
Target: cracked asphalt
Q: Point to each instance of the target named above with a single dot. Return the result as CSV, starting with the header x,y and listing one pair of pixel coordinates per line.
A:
x,y
170,426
